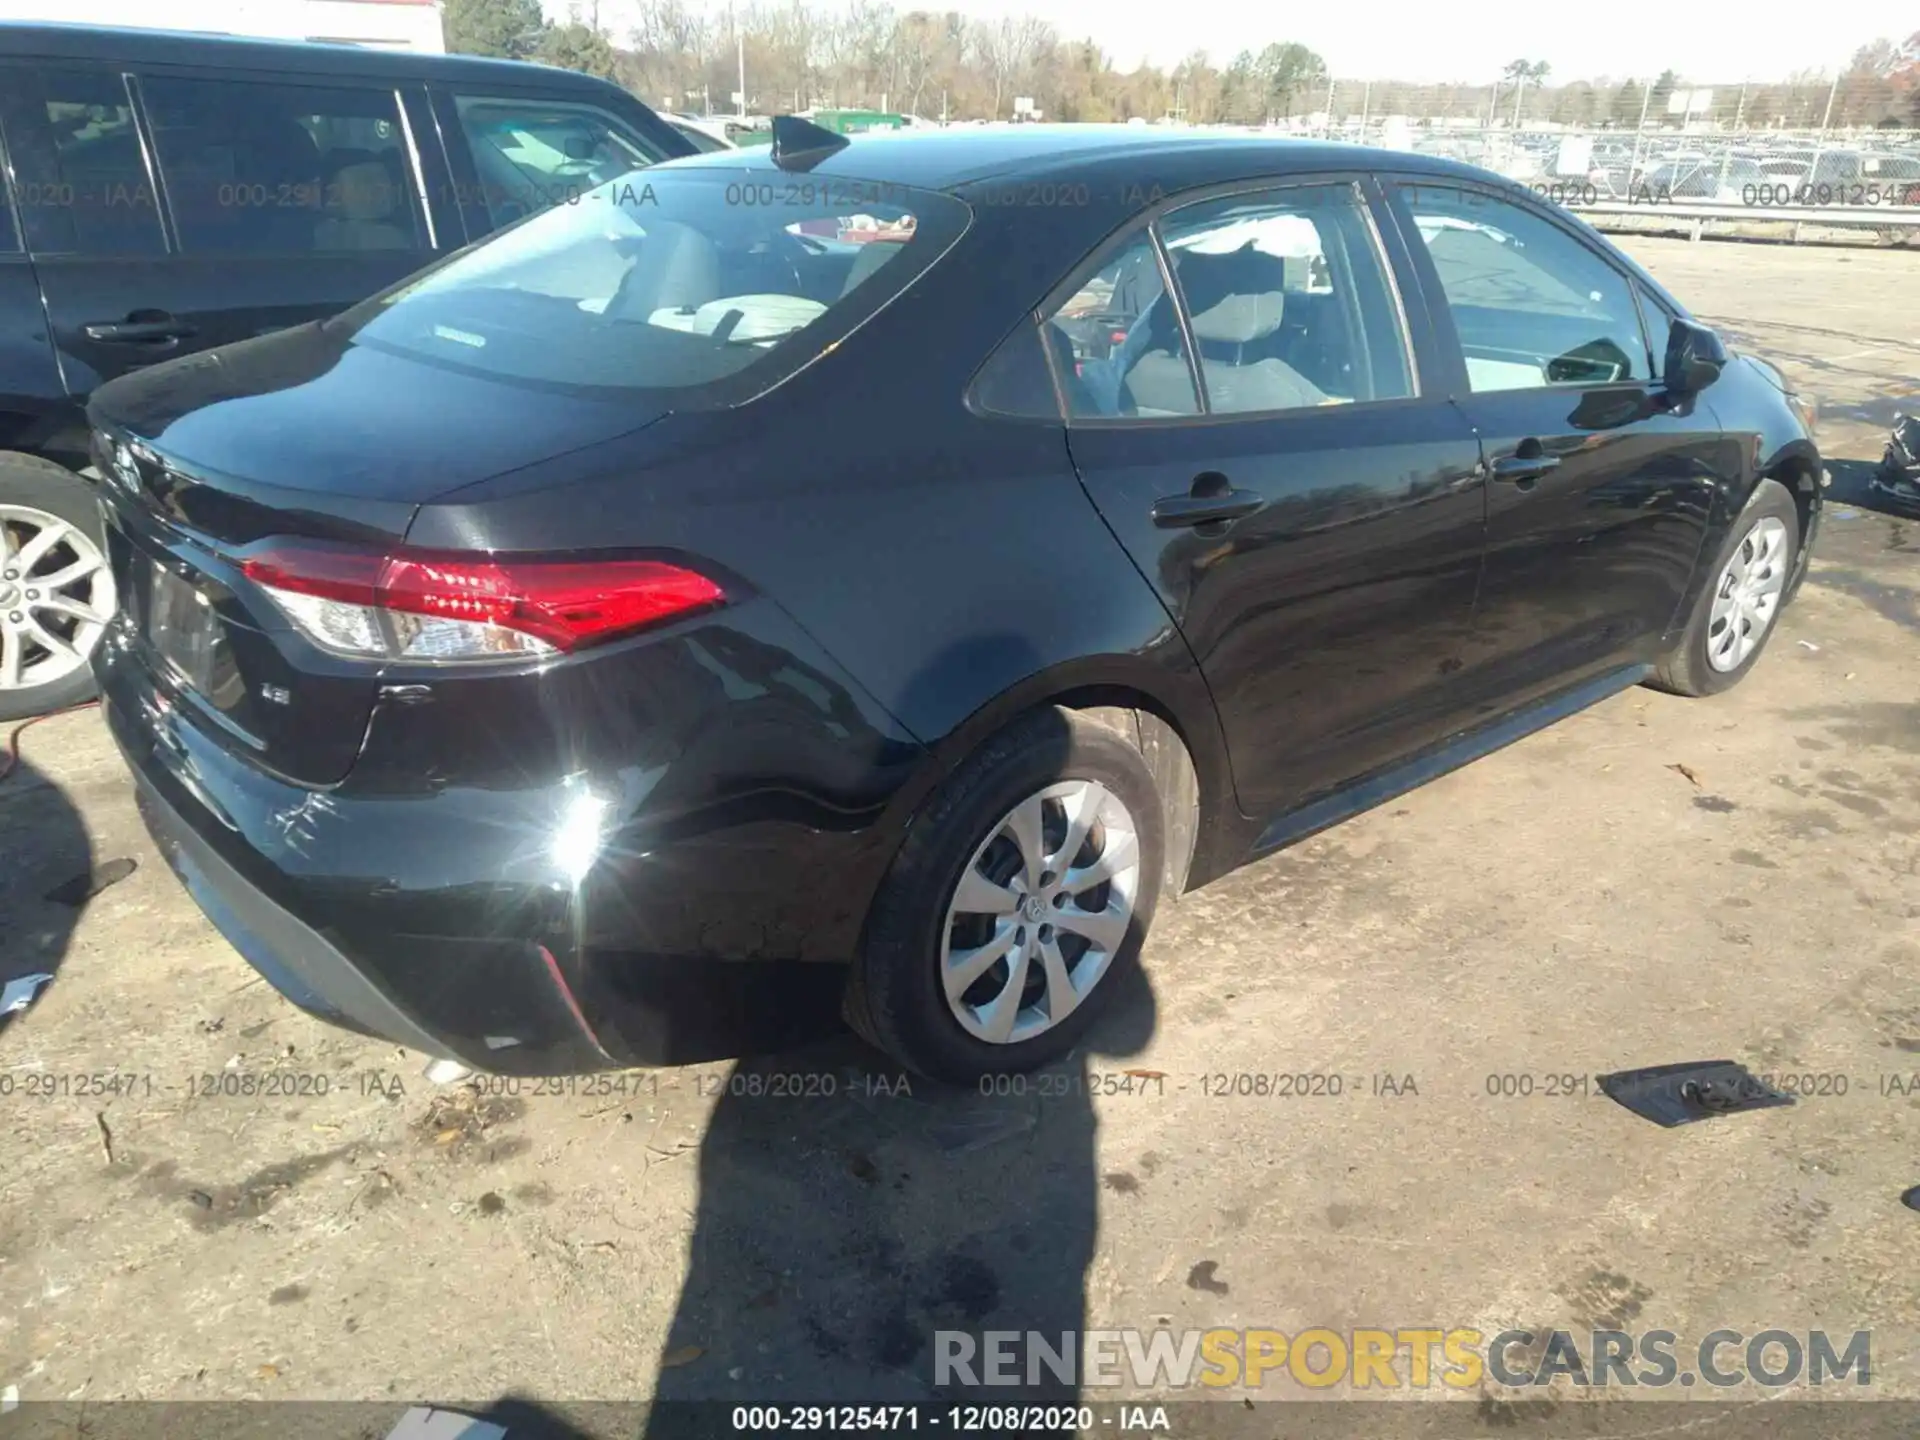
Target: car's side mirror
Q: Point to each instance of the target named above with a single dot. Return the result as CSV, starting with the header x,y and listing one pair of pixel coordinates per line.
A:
x,y
1695,358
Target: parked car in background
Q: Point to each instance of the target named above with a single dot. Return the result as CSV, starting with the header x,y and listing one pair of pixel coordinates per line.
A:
x,y
1813,166
536,661
1893,178
171,192
705,135
1726,179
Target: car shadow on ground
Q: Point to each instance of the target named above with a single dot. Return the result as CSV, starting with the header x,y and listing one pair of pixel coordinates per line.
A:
x,y
47,876
849,1213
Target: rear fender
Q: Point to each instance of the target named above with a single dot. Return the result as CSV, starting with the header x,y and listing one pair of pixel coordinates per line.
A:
x,y
1168,715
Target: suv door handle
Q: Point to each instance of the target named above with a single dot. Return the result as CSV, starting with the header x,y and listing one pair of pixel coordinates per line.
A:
x,y
1523,470
138,332
1210,501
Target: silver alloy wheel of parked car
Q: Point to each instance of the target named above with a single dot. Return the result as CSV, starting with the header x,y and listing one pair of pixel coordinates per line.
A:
x,y
1747,596
56,596
1040,910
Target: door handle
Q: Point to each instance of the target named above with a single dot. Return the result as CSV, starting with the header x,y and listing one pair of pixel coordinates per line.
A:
x,y
138,332
1523,470
1211,501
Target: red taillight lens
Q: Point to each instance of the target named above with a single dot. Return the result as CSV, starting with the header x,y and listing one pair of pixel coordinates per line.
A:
x,y
567,604
470,606
331,572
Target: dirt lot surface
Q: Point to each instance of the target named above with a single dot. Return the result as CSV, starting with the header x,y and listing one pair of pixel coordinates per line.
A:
x,y
1656,880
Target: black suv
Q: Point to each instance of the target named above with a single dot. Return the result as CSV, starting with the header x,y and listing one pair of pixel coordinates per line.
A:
x,y
165,193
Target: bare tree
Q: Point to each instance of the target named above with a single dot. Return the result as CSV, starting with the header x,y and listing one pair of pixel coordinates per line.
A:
x,y
1007,50
913,51
863,40
667,49
867,52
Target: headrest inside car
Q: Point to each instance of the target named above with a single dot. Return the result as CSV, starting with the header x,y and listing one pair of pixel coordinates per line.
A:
x,y
360,186
1235,298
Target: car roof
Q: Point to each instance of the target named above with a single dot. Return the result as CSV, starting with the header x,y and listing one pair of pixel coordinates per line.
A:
x,y
1122,165
133,46
950,158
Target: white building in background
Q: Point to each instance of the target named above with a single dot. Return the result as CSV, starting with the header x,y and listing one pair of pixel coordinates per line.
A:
x,y
383,24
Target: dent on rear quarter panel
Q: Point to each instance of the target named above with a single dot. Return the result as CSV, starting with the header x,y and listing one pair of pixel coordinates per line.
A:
x,y
745,775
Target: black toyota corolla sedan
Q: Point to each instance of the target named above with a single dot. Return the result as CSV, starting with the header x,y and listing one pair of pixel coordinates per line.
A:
x,y
921,554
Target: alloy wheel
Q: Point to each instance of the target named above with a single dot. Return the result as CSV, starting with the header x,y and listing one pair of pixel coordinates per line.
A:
x,y
1747,595
56,597
1040,911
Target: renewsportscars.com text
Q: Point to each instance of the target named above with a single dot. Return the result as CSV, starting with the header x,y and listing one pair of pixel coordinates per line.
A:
x,y
1413,1358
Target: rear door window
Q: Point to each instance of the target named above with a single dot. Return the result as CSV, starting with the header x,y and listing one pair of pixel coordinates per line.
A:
x,y
1289,300
1119,345
1284,302
80,175
252,168
532,154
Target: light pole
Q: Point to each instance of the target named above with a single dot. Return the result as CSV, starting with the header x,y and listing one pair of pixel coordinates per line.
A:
x,y
1820,146
1726,156
1639,130
740,55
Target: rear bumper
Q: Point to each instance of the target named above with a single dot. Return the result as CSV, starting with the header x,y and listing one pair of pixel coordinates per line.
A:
x,y
293,957
497,1005
507,1004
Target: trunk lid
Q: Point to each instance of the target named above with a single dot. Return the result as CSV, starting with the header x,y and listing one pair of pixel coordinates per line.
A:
x,y
308,428
298,434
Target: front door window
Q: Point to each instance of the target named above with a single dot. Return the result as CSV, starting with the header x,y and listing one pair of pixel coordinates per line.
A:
x,y
1533,307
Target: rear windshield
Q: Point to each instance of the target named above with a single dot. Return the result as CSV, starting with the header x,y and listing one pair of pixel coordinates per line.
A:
x,y
712,280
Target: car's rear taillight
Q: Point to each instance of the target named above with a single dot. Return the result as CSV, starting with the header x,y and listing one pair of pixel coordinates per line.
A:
x,y
437,606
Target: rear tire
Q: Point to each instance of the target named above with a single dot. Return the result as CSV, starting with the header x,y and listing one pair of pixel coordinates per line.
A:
x,y
1739,609
923,934
40,502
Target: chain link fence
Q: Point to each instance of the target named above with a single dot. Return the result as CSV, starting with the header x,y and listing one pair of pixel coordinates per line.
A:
x,y
1811,157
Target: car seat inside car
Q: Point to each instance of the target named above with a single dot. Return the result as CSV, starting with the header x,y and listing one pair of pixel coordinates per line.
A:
x,y
1238,303
363,195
